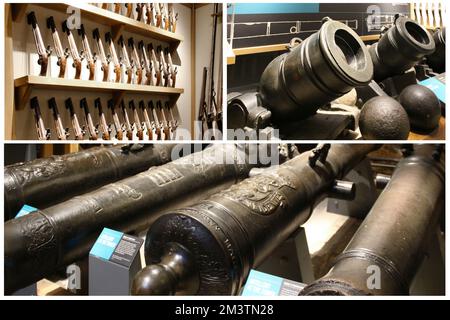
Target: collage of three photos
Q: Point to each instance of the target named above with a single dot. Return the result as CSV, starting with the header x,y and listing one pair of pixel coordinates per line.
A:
x,y
224,149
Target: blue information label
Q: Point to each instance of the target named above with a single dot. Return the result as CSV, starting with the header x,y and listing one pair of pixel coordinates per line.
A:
x,y
26,209
263,284
106,243
438,87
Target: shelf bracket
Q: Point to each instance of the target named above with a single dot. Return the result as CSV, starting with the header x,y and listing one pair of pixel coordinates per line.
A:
x,y
117,97
173,46
173,99
116,31
18,11
22,95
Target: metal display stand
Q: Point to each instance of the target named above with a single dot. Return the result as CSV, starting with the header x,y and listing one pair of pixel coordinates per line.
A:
x,y
365,195
114,260
291,260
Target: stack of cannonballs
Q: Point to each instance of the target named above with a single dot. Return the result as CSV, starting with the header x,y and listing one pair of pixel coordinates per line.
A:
x,y
416,108
384,118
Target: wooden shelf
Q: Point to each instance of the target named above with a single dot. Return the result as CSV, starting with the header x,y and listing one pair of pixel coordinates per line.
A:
x,y
231,56
260,49
117,22
281,47
437,134
24,86
370,37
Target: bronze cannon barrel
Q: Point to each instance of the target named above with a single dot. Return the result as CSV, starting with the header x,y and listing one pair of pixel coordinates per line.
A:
x,y
393,236
40,242
325,66
400,48
209,248
47,181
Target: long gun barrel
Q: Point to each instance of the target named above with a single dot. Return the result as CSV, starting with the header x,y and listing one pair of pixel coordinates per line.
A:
x,y
60,52
158,125
203,108
137,121
115,59
127,124
40,47
125,58
137,62
40,242
44,182
148,64
116,121
77,131
164,122
42,132
393,236
172,70
77,58
156,64
90,58
104,126
209,248
61,132
105,60
163,66
88,119
147,120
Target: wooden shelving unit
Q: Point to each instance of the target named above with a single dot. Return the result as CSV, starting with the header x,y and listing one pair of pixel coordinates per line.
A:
x,y
117,22
23,87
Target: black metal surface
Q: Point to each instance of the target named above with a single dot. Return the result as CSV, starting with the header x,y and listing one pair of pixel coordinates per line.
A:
x,y
323,67
320,126
383,118
40,242
436,60
400,48
44,182
393,236
422,106
236,229
174,275
245,110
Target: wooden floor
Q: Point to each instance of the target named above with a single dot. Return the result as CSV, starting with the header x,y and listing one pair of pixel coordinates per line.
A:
x,y
48,288
438,134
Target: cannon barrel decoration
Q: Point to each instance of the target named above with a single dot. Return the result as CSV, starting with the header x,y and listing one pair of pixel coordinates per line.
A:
x,y
320,69
393,236
400,48
209,248
37,244
47,181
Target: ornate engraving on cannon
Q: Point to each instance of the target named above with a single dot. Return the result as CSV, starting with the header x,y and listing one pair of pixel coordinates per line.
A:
x,y
262,194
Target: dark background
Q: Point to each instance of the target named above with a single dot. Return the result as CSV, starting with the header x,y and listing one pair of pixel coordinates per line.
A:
x,y
336,11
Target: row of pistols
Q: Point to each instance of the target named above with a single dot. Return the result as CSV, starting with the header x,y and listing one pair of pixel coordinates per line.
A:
x,y
160,15
158,127
146,66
